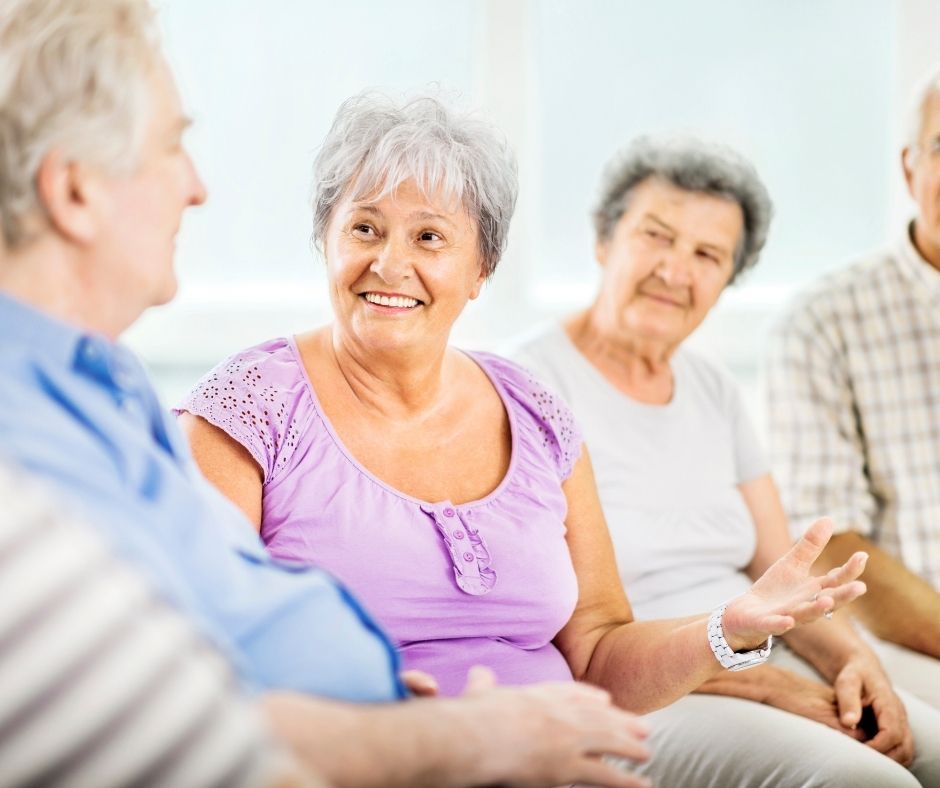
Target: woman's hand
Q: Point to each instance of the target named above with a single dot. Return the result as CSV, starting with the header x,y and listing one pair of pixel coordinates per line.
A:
x,y
862,684
788,595
814,700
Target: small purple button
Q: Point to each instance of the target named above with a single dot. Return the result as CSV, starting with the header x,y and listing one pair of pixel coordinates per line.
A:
x,y
448,512
458,534
468,557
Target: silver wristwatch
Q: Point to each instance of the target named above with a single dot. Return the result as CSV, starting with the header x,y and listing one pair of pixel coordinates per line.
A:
x,y
728,657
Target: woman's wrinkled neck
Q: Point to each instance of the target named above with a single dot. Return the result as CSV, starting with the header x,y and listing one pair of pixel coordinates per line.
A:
x,y
637,366
395,382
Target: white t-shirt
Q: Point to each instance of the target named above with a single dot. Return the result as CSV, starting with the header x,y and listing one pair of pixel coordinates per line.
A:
x,y
667,475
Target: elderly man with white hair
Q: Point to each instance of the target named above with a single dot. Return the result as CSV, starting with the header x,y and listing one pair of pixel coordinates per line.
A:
x,y
852,384
94,180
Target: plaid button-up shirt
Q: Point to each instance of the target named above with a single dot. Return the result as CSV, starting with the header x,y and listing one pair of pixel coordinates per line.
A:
x,y
853,392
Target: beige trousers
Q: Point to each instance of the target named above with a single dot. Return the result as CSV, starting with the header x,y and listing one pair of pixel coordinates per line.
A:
x,y
909,670
711,741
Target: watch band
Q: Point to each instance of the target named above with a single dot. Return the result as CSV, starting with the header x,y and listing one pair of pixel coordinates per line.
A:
x,y
727,657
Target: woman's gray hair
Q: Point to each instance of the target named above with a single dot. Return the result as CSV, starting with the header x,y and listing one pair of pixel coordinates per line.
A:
x,y
377,143
695,166
73,76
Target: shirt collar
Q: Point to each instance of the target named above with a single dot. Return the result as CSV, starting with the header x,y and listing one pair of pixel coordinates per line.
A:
x,y
92,355
916,268
24,326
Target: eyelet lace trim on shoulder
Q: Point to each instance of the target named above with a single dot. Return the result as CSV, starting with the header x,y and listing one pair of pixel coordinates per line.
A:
x,y
557,428
234,397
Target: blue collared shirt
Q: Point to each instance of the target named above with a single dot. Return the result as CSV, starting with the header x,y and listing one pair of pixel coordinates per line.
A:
x,y
78,410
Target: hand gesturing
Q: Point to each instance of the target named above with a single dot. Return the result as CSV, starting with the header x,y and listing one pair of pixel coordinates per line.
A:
x,y
788,595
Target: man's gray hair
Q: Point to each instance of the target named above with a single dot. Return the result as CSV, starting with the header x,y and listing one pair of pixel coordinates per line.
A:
x,y
927,86
73,76
376,143
695,166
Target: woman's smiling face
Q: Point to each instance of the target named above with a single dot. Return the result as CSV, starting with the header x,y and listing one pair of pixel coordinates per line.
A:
x,y
401,267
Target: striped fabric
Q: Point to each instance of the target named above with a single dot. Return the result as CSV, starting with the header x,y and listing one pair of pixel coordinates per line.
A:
x,y
853,405
100,683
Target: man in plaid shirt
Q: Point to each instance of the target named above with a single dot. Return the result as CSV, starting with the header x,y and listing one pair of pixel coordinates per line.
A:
x,y
853,393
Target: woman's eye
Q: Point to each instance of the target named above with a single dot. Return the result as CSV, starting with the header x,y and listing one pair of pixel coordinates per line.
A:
x,y
656,235
363,229
429,235
708,256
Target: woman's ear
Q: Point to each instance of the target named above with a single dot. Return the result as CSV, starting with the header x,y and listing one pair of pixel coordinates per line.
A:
x,y
478,284
600,251
70,195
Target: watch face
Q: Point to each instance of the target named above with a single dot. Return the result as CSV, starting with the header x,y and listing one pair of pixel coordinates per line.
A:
x,y
753,658
751,662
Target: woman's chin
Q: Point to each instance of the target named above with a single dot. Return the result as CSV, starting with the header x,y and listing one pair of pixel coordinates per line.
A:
x,y
658,331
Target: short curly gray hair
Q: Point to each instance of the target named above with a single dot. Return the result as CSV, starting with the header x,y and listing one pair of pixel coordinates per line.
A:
x,y
377,143
695,166
74,75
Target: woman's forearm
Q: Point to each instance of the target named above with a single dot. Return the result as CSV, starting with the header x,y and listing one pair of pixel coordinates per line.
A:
x,y
828,644
647,665
757,684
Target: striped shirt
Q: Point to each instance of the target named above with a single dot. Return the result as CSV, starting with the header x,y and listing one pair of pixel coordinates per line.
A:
x,y
101,684
853,404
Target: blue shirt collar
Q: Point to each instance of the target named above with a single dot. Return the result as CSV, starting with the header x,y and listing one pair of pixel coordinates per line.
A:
x,y
108,364
89,354
24,326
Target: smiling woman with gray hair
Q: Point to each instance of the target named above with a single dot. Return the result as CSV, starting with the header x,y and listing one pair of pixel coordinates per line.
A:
x,y
375,141
450,490
694,515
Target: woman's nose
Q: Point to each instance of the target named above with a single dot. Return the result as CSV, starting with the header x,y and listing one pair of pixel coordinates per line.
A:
x,y
392,263
675,269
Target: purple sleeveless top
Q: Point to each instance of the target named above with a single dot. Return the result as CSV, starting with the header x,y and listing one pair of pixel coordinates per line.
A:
x,y
488,582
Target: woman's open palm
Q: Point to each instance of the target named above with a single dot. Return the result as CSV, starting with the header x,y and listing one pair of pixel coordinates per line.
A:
x,y
788,594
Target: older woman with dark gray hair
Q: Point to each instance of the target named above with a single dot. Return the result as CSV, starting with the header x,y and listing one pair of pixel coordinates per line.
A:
x,y
450,490
693,513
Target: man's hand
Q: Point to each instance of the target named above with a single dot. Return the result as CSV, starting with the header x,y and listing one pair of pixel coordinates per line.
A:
x,y
419,683
548,734
788,595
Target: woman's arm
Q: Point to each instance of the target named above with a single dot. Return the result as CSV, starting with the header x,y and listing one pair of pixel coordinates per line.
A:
x,y
647,665
832,647
827,645
644,665
226,464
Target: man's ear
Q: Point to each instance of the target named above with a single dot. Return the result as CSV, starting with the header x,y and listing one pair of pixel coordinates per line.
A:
x,y
907,165
69,193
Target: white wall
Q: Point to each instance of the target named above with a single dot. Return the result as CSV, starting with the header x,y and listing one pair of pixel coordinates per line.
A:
x,y
811,90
